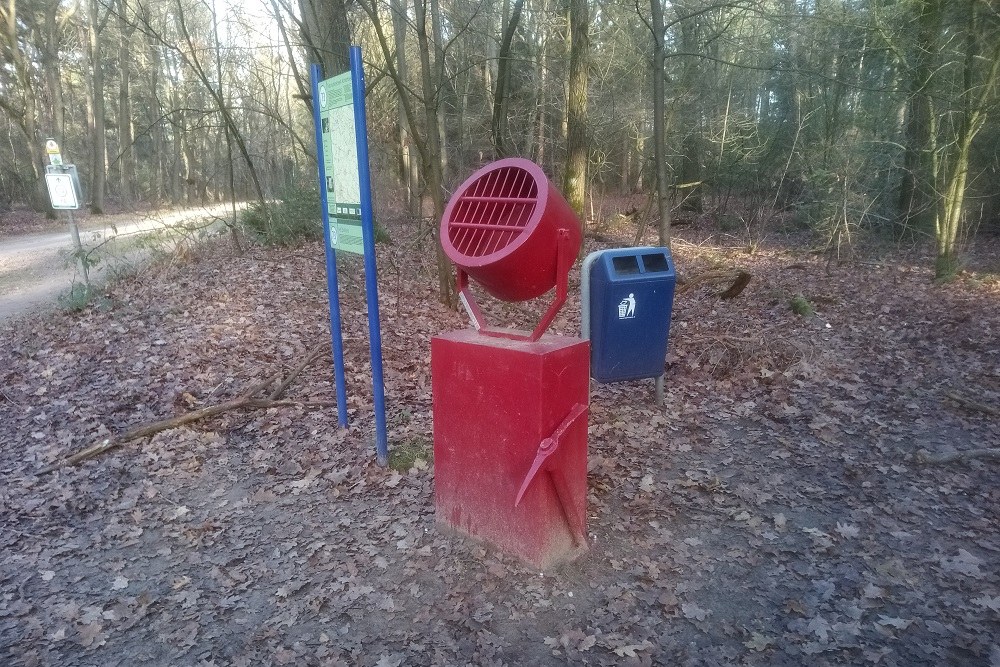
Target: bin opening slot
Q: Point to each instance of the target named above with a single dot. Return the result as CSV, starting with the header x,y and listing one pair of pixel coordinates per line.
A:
x,y
655,263
625,265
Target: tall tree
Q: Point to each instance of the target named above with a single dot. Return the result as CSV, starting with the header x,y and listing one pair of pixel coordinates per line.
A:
x,y
327,34
21,103
433,168
980,75
98,131
916,192
126,135
575,175
428,141
500,99
691,104
658,29
409,175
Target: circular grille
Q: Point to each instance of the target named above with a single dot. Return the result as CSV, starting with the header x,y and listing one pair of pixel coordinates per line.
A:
x,y
492,212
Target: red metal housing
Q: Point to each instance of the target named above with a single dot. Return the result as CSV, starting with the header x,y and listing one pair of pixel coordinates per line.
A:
x,y
501,227
510,442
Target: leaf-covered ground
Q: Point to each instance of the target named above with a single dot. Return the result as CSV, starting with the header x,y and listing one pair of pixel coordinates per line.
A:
x,y
773,512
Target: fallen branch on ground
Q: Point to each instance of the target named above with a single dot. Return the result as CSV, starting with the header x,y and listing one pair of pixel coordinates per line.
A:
x,y
246,400
734,290
972,405
924,456
738,281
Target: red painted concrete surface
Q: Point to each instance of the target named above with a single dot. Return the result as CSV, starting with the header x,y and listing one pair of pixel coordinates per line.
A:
x,y
495,403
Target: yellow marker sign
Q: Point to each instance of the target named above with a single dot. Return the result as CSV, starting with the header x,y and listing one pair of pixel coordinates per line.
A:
x,y
52,149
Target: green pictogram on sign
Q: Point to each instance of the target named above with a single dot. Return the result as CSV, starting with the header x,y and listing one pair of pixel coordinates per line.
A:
x,y
340,159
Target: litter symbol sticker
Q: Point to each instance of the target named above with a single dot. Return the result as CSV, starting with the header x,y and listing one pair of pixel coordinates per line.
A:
x,y
626,307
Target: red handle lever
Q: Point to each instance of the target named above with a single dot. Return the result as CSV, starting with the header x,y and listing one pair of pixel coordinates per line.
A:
x,y
547,448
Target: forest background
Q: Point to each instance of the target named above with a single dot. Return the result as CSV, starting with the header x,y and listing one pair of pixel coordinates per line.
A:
x,y
818,487
858,120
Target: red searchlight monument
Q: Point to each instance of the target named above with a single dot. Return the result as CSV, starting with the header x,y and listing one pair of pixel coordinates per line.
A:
x,y
511,406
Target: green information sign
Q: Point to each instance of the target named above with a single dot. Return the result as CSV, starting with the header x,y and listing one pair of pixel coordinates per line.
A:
x,y
340,158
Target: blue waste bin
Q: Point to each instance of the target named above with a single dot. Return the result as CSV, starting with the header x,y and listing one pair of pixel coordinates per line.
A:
x,y
631,296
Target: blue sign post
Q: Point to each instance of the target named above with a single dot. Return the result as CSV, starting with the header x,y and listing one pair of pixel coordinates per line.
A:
x,y
331,261
371,275
348,183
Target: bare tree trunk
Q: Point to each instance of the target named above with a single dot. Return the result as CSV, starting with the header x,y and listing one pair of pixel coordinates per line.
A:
x,y
543,72
408,167
659,120
442,86
949,216
432,156
980,78
916,191
126,134
228,136
98,161
327,34
180,168
428,145
53,77
690,171
161,175
499,124
575,177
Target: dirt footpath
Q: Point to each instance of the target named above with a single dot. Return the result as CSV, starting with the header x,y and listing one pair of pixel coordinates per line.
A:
x,y
36,268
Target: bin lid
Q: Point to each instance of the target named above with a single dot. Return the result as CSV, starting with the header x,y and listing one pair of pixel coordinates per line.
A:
x,y
645,262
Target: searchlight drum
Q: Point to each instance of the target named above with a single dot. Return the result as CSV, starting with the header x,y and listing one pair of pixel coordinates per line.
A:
x,y
510,230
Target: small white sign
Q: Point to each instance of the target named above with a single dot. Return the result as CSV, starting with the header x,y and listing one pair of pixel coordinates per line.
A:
x,y
626,307
62,194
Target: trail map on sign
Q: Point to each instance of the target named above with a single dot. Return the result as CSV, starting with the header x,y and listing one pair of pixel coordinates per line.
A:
x,y
340,158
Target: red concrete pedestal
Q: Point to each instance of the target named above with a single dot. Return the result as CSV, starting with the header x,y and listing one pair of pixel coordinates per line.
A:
x,y
510,442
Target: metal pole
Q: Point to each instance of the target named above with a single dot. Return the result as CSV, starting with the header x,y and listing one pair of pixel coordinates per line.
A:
x,y
78,246
331,259
368,236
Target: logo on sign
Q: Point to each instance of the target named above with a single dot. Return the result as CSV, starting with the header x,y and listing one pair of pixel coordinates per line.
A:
x,y
626,307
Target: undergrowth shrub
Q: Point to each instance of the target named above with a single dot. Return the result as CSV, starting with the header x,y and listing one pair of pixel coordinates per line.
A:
x,y
406,454
79,296
801,306
294,217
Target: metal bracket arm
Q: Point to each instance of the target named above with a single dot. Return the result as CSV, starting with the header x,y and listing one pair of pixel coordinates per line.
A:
x,y
564,261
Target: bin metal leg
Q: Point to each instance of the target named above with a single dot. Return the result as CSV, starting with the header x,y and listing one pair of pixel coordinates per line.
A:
x,y
659,390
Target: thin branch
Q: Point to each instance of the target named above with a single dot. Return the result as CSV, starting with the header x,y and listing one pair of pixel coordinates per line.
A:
x,y
929,458
245,400
972,405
